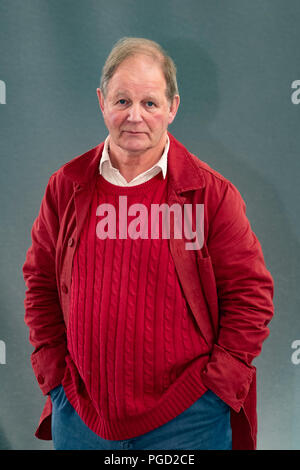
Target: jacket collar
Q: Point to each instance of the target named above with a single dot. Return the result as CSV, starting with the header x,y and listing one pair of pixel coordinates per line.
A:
x,y
184,172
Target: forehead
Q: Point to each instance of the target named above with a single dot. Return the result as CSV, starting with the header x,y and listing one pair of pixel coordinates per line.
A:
x,y
140,73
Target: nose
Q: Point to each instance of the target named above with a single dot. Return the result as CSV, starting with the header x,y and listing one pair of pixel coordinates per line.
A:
x,y
134,113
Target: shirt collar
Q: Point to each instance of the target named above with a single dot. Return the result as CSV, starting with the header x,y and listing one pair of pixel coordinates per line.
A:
x,y
162,162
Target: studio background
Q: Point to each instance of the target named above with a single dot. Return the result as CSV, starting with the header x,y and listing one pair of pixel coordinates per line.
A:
x,y
237,61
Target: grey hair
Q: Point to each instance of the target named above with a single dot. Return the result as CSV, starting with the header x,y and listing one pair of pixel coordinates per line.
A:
x,y
130,46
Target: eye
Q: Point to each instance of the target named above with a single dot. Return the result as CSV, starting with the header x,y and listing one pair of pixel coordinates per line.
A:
x,y
122,101
150,104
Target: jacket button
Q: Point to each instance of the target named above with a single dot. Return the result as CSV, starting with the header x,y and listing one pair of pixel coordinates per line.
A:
x,y
64,288
40,379
71,241
240,394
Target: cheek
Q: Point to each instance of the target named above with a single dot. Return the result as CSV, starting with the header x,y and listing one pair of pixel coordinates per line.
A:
x,y
114,119
158,121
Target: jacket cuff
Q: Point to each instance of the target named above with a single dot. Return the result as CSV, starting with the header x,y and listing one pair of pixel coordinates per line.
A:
x,y
228,377
49,366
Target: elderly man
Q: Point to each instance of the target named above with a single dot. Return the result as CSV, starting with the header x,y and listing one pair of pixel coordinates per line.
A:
x,y
143,340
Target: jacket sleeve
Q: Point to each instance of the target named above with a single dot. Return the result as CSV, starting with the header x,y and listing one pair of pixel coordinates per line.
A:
x,y
245,294
43,314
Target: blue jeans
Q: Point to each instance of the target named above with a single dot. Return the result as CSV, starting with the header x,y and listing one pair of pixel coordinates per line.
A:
x,y
204,425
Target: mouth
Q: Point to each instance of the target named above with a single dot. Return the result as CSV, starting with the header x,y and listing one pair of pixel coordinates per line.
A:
x,y
133,132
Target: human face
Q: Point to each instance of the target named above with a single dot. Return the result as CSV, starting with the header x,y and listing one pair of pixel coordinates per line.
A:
x,y
136,110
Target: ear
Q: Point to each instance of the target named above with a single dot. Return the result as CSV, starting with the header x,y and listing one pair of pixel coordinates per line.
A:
x,y
174,108
100,99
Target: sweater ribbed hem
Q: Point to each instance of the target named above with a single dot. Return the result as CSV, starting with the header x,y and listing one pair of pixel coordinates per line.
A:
x,y
187,389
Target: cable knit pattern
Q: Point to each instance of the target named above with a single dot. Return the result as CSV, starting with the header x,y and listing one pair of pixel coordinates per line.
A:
x,y
168,330
135,350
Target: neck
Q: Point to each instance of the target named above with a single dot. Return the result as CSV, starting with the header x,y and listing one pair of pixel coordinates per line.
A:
x,y
132,164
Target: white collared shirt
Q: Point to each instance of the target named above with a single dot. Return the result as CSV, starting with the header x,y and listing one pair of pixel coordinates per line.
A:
x,y
113,175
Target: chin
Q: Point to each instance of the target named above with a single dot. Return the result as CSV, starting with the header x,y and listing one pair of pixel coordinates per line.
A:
x,y
131,146
136,148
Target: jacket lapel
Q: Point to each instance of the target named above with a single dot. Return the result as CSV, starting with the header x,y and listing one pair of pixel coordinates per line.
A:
x,y
83,171
186,176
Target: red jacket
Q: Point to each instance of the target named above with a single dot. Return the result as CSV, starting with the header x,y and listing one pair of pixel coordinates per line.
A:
x,y
226,283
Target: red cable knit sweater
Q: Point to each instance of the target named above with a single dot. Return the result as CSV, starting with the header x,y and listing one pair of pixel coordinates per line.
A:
x,y
135,350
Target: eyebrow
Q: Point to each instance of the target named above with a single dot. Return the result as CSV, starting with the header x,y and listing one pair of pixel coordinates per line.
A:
x,y
119,93
123,92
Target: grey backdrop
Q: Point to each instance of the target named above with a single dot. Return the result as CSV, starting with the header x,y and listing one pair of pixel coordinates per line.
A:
x,y
237,61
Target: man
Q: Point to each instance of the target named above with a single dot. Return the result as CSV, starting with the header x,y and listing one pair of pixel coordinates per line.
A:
x,y
143,339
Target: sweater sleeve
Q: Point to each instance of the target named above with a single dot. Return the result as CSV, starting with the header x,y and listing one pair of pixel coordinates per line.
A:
x,y
245,293
43,314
